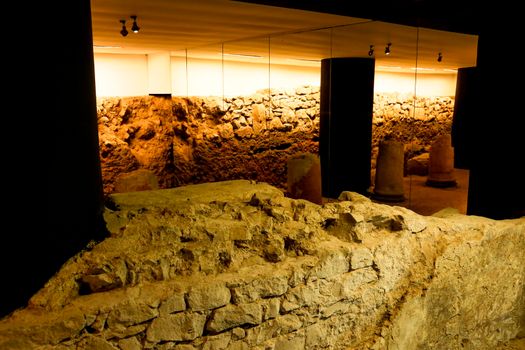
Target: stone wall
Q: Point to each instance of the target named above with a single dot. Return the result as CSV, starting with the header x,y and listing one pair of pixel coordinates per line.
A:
x,y
197,140
236,265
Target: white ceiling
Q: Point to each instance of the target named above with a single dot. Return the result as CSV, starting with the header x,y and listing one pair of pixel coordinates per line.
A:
x,y
227,29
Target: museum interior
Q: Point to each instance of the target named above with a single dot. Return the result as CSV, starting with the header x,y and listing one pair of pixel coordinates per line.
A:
x,y
276,175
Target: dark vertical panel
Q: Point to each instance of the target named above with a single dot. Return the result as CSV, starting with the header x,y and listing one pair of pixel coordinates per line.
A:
x,y
497,174
347,94
464,118
62,201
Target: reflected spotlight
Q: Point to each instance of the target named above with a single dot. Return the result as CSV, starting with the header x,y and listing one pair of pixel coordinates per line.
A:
x,y
371,51
123,31
440,57
135,27
387,49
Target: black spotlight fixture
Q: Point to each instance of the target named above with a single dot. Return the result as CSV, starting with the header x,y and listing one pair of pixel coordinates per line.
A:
x,y
123,31
134,28
387,49
371,51
440,57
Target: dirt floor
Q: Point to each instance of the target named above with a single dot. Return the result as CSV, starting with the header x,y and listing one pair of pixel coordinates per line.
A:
x,y
426,200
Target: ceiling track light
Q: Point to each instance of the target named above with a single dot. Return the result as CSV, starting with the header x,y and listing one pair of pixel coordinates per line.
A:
x,y
440,57
371,51
123,31
134,28
387,49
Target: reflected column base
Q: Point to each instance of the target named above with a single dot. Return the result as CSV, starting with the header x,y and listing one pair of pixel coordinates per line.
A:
x,y
392,198
441,184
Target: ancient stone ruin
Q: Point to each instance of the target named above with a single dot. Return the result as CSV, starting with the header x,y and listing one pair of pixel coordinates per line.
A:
x,y
204,139
237,265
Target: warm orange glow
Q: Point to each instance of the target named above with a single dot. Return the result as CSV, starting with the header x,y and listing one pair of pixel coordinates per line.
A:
x,y
127,75
121,75
159,73
423,85
205,77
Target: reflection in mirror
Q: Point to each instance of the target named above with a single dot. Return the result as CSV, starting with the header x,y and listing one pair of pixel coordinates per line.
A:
x,y
436,181
204,71
392,48
294,125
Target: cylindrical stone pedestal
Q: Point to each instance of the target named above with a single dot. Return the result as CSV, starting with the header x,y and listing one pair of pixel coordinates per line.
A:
x,y
304,177
441,163
389,172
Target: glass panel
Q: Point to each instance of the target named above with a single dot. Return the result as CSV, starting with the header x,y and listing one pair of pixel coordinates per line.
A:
x,y
295,77
247,105
179,73
394,48
204,71
435,183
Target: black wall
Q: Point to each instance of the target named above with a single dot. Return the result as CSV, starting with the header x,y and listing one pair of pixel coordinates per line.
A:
x,y
56,189
464,117
497,150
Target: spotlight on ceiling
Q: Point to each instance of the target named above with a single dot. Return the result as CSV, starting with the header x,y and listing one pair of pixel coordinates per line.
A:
x,y
134,28
123,31
387,49
440,57
371,51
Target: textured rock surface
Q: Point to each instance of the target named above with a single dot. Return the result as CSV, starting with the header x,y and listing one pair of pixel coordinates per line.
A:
x,y
187,268
196,140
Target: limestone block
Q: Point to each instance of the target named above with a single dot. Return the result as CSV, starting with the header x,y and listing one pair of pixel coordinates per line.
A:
x,y
173,304
137,180
184,347
231,316
290,343
288,116
303,90
352,280
238,345
316,336
335,309
102,282
238,333
67,325
332,263
131,343
299,296
130,313
260,288
270,329
361,257
244,131
176,327
207,297
226,131
122,333
216,342
271,308
91,342
276,124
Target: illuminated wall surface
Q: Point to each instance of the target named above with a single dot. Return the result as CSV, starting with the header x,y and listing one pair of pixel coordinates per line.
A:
x,y
127,75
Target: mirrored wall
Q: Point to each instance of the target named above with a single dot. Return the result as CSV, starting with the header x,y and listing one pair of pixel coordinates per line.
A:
x,y
255,103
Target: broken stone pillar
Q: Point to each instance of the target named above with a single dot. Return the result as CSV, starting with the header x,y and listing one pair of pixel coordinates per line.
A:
x,y
441,163
304,177
389,172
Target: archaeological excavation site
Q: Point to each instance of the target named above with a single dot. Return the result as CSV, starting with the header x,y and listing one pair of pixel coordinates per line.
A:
x,y
259,175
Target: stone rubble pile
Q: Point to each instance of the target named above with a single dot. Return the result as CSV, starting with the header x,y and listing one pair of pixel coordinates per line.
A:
x,y
236,265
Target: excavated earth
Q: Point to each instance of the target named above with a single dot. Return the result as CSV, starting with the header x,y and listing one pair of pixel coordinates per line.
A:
x,y
237,265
